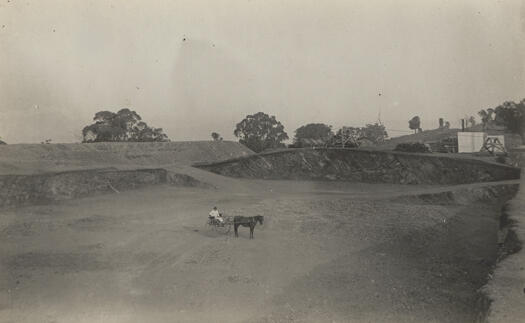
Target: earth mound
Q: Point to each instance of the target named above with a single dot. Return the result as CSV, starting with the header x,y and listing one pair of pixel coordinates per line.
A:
x,y
38,158
363,166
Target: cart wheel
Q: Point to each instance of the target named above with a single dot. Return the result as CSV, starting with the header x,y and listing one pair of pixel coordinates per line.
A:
x,y
224,228
209,225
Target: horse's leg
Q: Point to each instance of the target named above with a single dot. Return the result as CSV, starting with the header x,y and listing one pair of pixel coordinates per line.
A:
x,y
235,227
251,230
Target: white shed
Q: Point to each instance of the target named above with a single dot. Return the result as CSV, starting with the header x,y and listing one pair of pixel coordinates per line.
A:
x,y
470,142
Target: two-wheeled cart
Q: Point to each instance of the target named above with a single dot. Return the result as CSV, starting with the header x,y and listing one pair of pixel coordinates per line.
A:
x,y
224,226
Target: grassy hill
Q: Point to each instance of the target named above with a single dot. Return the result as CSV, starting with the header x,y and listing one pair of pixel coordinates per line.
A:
x,y
422,137
441,134
35,158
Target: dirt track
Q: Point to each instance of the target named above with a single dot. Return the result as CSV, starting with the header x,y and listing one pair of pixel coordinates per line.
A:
x,y
323,254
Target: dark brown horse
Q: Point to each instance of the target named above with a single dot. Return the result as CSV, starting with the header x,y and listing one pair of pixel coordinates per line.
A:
x,y
247,221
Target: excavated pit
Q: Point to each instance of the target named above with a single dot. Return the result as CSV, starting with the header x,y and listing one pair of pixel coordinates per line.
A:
x,y
423,255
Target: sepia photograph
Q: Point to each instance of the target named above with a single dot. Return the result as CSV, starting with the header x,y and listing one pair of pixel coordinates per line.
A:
x,y
262,161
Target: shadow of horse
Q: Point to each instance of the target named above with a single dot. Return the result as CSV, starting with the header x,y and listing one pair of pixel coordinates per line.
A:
x,y
246,221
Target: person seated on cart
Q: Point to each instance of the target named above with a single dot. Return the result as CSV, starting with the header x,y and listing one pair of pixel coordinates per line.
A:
x,y
215,215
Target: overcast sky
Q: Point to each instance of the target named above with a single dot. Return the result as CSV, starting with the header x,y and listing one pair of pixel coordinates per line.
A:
x,y
193,67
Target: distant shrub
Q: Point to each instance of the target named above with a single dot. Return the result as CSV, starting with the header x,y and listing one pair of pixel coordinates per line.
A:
x,y
3,142
296,145
216,136
412,147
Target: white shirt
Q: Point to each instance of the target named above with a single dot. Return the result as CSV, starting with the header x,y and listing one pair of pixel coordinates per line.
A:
x,y
214,213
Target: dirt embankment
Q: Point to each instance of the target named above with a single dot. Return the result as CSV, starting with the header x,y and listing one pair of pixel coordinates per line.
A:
x,y
363,166
465,249
16,190
37,173
492,194
33,189
505,291
489,244
498,276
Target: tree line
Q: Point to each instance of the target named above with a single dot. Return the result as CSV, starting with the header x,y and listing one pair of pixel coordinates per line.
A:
x,y
258,131
261,131
510,115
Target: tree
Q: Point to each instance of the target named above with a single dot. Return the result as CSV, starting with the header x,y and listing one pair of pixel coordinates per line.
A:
x,y
125,125
216,136
511,115
348,137
376,133
443,124
354,136
313,131
470,121
415,124
141,132
260,131
486,117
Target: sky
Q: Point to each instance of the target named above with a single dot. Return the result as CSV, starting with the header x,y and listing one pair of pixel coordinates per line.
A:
x,y
194,67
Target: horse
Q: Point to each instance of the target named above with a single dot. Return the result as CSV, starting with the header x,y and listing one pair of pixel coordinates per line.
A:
x,y
247,221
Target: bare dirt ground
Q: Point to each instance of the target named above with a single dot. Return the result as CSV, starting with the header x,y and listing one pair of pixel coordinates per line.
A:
x,y
326,253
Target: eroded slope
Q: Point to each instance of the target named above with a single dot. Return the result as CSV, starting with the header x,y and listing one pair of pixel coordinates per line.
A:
x,y
363,166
